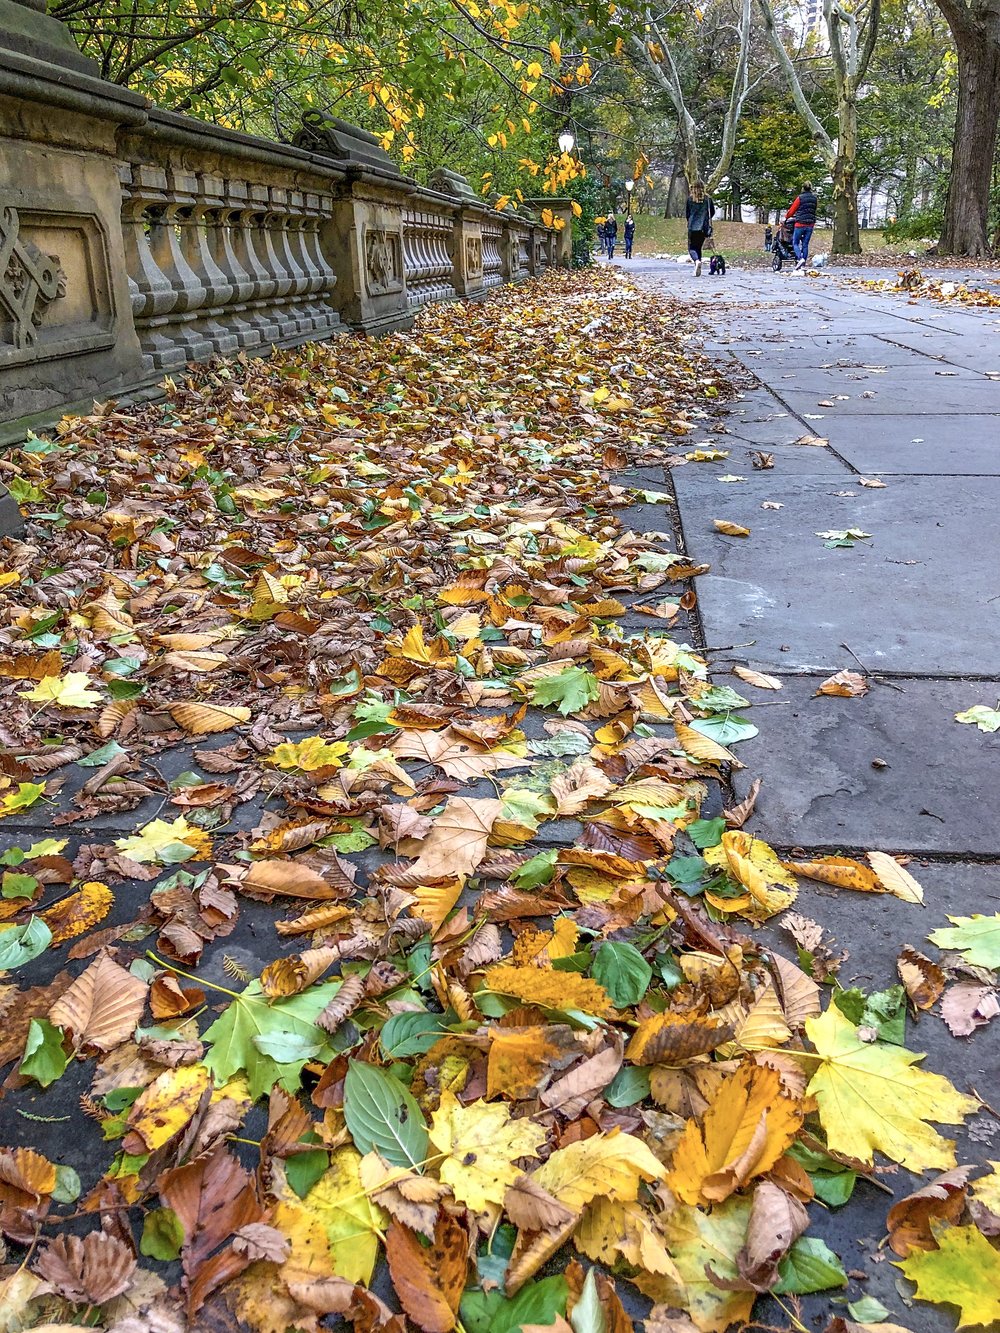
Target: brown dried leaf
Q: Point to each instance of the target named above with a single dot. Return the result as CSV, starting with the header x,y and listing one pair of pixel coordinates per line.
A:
x,y
102,1006
90,1271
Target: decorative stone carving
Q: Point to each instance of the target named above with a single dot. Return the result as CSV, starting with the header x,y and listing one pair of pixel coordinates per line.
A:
x,y
328,136
383,261
452,183
29,282
473,256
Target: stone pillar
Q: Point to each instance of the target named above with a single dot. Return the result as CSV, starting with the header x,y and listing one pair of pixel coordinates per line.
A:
x,y
469,253
363,239
562,210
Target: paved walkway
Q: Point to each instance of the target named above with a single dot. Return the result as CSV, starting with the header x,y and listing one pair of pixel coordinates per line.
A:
x,y
907,393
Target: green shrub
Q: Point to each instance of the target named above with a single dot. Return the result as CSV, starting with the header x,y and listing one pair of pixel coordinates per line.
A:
x,y
922,226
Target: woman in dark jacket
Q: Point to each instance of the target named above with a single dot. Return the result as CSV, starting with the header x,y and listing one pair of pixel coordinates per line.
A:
x,y
803,215
700,211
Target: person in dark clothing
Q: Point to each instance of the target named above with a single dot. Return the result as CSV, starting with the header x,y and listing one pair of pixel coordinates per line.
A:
x,y
611,234
700,210
601,242
803,215
768,239
629,236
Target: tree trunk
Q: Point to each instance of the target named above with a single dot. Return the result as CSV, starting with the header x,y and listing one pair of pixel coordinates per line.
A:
x,y
846,240
966,212
737,197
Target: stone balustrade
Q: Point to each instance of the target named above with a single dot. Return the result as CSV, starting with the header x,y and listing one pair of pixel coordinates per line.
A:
x,y
135,240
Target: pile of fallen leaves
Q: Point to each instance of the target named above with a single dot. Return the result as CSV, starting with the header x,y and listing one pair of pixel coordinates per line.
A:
x,y
404,927
915,284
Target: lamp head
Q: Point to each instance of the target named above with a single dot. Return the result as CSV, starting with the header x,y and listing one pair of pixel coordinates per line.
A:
x,y
566,142
630,186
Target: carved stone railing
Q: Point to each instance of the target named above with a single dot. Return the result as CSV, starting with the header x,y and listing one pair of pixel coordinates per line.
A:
x,y
134,241
222,242
429,252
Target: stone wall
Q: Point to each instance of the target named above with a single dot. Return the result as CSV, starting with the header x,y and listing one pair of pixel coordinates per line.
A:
x,y
133,240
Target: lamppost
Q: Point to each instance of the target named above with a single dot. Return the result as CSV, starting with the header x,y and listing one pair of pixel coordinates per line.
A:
x,y
629,186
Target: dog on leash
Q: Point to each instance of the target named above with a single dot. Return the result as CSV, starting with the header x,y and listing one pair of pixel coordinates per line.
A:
x,y
717,266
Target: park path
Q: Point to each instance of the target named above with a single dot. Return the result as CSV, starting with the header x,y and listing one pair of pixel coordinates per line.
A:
x,y
907,393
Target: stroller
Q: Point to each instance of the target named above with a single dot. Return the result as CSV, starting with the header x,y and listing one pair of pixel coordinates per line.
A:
x,y
783,249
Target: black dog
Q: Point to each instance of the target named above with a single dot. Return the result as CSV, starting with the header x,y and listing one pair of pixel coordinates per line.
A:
x,y
717,265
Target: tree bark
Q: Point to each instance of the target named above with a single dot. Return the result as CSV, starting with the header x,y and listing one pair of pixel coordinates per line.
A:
x,y
965,230
846,238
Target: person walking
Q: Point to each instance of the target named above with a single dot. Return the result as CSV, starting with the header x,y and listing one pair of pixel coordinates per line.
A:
x,y
768,239
601,242
700,210
629,235
803,215
611,234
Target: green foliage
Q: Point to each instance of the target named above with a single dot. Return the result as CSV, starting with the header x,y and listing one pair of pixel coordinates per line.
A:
x,y
623,972
921,226
381,1115
269,1039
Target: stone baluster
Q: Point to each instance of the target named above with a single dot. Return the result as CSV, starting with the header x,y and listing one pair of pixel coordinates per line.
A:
x,y
223,226
220,289
324,283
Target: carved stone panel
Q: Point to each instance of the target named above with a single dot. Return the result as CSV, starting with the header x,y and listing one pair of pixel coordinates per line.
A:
x,y
473,256
55,287
383,261
29,282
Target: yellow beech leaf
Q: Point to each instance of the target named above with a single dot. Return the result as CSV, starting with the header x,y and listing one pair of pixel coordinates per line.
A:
x,y
756,866
730,529
79,912
415,649
309,754
757,678
747,1127
872,1096
841,871
555,51
165,1107
701,747
435,901
551,990
894,879
69,691
608,1166
480,1143
199,719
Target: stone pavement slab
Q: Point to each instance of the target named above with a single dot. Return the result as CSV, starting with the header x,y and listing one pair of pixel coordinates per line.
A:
x,y
947,445
916,598
822,787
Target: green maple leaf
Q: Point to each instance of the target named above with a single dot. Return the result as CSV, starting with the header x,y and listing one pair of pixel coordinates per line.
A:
x,y
976,937
964,1270
253,1031
573,689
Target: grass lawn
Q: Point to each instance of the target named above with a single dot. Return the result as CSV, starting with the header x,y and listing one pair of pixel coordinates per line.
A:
x,y
737,240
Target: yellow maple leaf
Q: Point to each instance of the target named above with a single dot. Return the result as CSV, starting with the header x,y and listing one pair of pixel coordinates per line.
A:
x,y
770,887
871,1096
747,1127
165,842
309,754
69,691
480,1143
605,1165
353,1223
613,1229
702,1245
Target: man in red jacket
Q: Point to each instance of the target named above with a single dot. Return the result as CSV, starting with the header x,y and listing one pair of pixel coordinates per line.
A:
x,y
803,214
